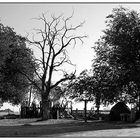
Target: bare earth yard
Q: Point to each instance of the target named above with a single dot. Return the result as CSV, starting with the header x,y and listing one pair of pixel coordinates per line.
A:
x,y
66,128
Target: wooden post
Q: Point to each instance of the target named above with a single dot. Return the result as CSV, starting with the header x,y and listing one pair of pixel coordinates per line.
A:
x,y
139,105
71,108
57,113
85,110
41,109
76,113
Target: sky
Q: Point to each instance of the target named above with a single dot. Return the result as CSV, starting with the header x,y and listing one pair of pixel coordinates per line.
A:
x,y
20,17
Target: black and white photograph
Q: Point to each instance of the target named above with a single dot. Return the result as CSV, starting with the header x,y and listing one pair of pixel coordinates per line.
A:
x,y
69,69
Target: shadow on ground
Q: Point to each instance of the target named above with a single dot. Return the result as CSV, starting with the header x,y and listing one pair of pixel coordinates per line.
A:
x,y
50,130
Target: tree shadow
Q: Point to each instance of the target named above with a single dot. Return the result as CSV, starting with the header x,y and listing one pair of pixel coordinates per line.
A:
x,y
52,130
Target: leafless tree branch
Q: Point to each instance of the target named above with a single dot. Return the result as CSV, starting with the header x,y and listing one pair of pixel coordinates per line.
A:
x,y
56,36
31,80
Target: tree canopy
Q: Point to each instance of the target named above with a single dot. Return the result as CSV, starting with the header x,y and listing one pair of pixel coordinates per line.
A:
x,y
123,36
15,59
119,49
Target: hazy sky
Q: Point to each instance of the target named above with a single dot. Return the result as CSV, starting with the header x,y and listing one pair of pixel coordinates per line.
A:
x,y
19,16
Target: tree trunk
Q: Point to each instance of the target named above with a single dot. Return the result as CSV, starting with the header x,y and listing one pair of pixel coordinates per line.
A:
x,y
30,95
98,110
98,104
45,110
139,105
46,105
85,101
98,107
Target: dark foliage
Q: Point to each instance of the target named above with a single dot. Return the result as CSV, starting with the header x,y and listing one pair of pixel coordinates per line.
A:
x,y
15,59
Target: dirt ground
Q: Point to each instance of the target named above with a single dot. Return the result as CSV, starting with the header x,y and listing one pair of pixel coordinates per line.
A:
x,y
66,128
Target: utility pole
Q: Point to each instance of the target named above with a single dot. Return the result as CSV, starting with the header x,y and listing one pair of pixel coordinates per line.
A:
x,y
85,110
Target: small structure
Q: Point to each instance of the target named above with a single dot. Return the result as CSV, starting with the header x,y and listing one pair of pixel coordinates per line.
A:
x,y
119,112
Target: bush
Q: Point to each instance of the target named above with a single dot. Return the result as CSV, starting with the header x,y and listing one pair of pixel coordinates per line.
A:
x,y
10,116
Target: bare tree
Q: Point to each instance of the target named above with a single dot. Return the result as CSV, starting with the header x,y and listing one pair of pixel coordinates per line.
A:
x,y
56,37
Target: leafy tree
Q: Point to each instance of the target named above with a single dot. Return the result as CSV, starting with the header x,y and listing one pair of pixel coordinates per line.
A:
x,y
56,93
80,88
53,40
119,49
123,35
93,87
108,76
15,58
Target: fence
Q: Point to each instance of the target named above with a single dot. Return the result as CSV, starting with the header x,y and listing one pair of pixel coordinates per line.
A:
x,y
30,112
89,111
56,112
36,112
